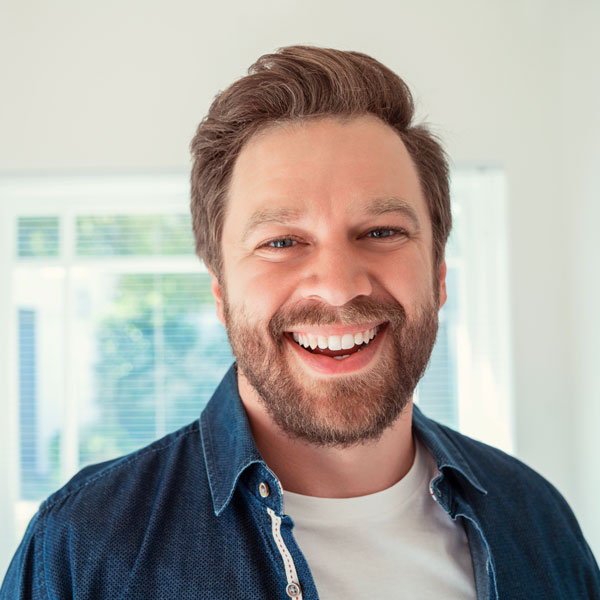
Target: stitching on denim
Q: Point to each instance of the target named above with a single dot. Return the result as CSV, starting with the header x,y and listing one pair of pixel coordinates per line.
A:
x,y
291,574
492,583
40,560
155,447
263,524
208,460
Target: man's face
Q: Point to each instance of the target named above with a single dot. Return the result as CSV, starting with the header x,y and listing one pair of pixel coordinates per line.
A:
x,y
328,291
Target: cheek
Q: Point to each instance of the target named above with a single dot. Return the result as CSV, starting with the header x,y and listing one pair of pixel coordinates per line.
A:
x,y
261,291
410,282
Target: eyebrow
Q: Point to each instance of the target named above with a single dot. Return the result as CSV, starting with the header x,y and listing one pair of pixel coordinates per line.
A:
x,y
382,206
285,215
262,216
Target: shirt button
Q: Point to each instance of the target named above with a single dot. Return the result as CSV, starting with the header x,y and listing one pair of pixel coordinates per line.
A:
x,y
263,489
292,589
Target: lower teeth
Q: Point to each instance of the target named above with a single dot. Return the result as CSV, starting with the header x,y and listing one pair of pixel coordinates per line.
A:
x,y
341,357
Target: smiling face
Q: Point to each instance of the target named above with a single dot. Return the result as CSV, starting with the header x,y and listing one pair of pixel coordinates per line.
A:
x,y
329,292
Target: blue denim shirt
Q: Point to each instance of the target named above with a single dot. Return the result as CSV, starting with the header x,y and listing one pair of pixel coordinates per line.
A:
x,y
198,514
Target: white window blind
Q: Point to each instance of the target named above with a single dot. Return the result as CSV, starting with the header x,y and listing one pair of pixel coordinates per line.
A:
x,y
113,339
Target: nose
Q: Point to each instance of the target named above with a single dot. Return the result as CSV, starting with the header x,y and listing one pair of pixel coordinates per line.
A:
x,y
335,276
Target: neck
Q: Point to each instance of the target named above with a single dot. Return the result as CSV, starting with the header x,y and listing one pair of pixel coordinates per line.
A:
x,y
330,472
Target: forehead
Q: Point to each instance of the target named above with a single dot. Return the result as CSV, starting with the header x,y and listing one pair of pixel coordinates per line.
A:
x,y
321,168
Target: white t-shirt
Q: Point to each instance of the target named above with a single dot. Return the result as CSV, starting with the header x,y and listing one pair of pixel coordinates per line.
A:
x,y
397,543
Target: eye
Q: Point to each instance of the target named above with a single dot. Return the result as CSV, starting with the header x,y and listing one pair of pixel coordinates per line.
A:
x,y
386,233
283,243
279,243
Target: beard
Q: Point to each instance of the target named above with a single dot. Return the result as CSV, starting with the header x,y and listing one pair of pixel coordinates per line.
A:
x,y
343,410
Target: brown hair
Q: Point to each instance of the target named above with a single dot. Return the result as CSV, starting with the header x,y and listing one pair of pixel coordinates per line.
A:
x,y
296,83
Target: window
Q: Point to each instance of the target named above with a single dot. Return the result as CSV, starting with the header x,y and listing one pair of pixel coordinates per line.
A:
x,y
113,339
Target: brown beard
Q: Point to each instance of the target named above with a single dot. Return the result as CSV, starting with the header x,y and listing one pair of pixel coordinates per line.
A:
x,y
348,409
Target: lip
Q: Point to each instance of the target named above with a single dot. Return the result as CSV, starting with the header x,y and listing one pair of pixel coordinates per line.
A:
x,y
326,365
329,330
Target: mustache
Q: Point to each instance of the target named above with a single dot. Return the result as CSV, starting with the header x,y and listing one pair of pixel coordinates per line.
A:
x,y
357,311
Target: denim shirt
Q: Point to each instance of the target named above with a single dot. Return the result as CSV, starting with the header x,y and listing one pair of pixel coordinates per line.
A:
x,y
198,514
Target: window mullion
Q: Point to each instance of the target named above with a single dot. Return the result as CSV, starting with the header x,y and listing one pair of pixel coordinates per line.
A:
x,y
69,448
9,424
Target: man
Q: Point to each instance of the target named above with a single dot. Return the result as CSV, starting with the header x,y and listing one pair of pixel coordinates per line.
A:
x,y
322,213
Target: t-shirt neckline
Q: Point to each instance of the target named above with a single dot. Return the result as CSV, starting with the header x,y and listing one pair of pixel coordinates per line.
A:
x,y
392,499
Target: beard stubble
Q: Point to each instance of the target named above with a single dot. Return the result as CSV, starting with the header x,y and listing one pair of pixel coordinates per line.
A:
x,y
343,410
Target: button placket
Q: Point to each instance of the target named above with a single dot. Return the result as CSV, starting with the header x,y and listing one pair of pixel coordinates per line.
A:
x,y
292,589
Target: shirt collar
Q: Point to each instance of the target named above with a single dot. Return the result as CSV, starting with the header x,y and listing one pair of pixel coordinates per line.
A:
x,y
229,447
227,441
445,451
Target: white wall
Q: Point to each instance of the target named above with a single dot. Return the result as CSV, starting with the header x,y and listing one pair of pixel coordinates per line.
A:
x,y
581,215
120,86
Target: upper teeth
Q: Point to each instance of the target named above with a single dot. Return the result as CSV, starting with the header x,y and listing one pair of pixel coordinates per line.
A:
x,y
335,342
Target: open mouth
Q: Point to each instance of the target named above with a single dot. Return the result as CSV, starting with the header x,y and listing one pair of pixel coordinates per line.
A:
x,y
336,346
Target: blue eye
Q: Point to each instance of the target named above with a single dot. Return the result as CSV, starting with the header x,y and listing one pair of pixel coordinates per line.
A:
x,y
281,243
384,232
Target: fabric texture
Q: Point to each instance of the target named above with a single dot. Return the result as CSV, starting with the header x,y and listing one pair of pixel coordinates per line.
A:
x,y
187,517
395,540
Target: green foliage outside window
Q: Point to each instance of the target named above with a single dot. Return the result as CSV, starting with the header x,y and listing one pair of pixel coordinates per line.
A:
x,y
157,365
38,237
134,235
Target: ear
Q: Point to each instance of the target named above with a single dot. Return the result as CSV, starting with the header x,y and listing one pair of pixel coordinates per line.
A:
x,y
442,276
217,291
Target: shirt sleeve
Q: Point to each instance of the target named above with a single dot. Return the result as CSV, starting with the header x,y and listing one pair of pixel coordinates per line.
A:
x,y
24,579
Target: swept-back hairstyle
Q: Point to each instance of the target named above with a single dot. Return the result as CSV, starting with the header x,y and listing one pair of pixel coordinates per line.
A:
x,y
294,84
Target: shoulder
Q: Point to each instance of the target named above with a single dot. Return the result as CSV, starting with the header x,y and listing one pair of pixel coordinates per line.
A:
x,y
110,508
500,487
513,500
497,471
488,468
108,483
100,521
522,516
